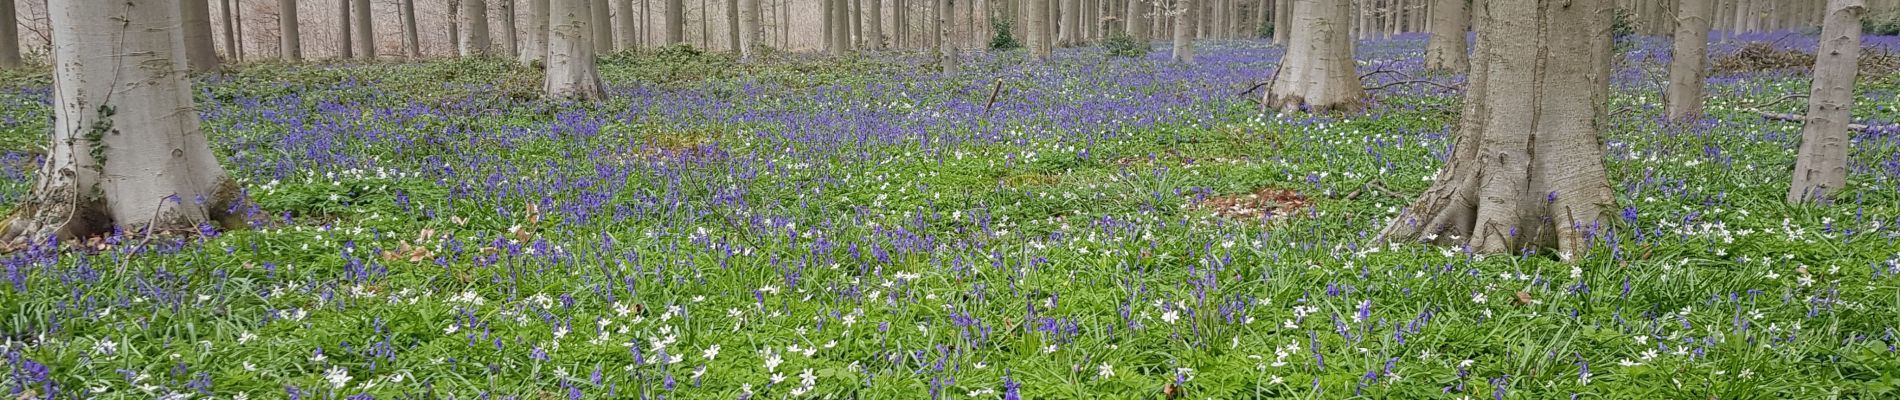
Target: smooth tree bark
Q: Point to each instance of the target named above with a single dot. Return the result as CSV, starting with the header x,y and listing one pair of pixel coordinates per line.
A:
x,y
601,26
200,49
1136,25
475,42
230,30
411,36
9,36
1689,62
289,34
344,43
750,35
1526,168
365,32
455,27
1071,23
126,149
571,72
626,33
1446,50
534,46
840,28
946,39
1038,29
1185,13
676,21
510,38
1282,21
875,27
1318,73
1821,168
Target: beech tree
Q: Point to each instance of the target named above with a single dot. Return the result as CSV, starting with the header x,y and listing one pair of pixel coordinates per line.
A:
x,y
9,36
126,149
626,34
365,31
840,28
601,25
289,34
474,23
535,43
1185,13
1282,21
751,36
343,41
200,50
1318,71
1038,29
510,37
411,37
676,21
571,72
946,43
1687,69
1445,51
1526,168
1821,167
1136,25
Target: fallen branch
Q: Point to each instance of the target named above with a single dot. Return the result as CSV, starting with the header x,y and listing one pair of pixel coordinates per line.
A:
x,y
998,89
1415,82
1785,117
1374,186
1256,86
1384,71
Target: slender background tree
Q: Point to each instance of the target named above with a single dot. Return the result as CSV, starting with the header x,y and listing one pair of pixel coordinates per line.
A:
x,y
1821,167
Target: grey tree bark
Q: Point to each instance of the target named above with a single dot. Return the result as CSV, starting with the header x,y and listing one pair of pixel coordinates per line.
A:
x,y
1526,170
1038,29
474,23
1688,65
535,41
840,28
732,24
571,72
856,22
1282,21
230,30
1821,168
9,36
510,37
201,53
289,35
365,32
751,36
344,44
1318,73
875,35
626,33
946,37
1185,15
455,28
676,21
411,36
601,26
126,148
1071,23
1445,51
1137,24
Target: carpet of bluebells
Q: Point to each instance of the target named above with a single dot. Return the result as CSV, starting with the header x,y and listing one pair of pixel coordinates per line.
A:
x,y
874,228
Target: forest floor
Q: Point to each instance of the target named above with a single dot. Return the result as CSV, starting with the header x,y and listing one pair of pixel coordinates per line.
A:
x,y
1099,227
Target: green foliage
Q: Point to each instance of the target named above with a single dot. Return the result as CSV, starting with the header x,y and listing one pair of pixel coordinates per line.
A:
x,y
1885,23
1122,45
1004,39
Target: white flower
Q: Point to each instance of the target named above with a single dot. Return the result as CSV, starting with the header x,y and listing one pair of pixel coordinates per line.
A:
x,y
711,352
1105,370
337,377
1170,316
1479,298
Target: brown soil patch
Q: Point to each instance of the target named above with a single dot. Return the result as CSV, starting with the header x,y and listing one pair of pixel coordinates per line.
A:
x,y
1266,202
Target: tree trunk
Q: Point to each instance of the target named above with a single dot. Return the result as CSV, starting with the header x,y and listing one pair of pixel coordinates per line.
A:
x,y
9,36
875,37
1527,168
1071,23
289,37
230,30
510,37
1038,29
571,73
1282,21
676,21
1184,21
475,41
946,38
1138,21
411,36
840,27
626,33
601,27
750,36
1821,168
1446,49
535,41
1687,69
344,43
1318,72
365,32
455,28
732,24
855,21
126,149
705,28
201,53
